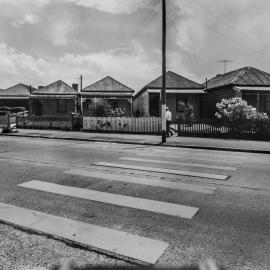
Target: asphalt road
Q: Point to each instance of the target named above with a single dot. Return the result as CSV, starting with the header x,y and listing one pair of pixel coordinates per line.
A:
x,y
232,225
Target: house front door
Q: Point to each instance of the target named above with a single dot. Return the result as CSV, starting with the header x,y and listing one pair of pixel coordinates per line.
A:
x,y
37,108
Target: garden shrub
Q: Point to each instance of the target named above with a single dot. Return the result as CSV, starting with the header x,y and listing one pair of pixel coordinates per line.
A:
x,y
237,108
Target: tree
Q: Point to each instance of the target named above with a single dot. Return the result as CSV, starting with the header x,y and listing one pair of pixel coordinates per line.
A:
x,y
237,109
98,107
102,108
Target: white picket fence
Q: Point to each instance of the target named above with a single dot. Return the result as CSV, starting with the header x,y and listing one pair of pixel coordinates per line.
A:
x,y
147,125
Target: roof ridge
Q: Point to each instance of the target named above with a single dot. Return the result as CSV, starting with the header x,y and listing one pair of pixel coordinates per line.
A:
x,y
109,77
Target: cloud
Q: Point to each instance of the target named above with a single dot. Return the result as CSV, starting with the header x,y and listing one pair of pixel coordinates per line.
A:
x,y
60,31
18,67
26,19
114,6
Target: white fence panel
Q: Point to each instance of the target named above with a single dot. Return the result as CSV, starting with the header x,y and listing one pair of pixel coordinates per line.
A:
x,y
150,125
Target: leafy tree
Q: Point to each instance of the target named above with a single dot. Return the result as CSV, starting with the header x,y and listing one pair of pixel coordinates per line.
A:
x,y
237,108
188,112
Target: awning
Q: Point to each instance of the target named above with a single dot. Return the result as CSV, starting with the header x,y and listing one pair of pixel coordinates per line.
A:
x,y
178,91
106,95
53,97
14,97
251,88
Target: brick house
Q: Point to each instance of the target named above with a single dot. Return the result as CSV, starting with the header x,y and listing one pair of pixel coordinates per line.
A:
x,y
111,90
56,99
179,91
16,96
249,83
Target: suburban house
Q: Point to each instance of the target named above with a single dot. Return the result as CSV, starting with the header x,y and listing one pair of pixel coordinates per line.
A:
x,y
16,96
56,99
249,83
115,93
179,91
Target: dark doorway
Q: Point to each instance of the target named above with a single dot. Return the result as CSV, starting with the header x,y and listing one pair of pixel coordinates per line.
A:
x,y
37,108
154,104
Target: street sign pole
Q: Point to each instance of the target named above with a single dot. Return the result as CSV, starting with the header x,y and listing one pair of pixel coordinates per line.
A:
x,y
163,90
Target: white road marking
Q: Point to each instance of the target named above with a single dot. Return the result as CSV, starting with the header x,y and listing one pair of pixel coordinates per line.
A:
x,y
230,155
143,181
179,163
187,156
163,170
102,239
116,199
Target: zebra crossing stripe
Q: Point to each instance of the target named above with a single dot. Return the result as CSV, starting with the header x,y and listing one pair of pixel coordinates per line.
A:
x,y
180,163
172,209
143,181
163,170
206,154
111,242
187,156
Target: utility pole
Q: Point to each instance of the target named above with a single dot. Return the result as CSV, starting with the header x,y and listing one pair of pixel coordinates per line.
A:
x,y
81,98
163,90
225,62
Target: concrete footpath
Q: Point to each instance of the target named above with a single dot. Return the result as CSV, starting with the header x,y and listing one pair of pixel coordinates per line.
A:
x,y
186,142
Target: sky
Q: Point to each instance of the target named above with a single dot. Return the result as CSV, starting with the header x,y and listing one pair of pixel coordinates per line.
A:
x,y
42,41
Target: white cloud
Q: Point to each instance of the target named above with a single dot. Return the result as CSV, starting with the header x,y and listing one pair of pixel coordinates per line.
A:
x,y
18,67
59,31
26,19
113,6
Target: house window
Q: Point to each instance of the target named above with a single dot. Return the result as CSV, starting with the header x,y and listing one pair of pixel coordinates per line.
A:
x,y
61,106
181,102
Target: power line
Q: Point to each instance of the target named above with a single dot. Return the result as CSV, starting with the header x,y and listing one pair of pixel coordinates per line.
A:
x,y
227,24
193,60
221,34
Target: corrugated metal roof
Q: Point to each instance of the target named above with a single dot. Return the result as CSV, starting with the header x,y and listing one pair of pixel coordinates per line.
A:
x,y
174,80
56,88
18,90
178,91
108,84
248,76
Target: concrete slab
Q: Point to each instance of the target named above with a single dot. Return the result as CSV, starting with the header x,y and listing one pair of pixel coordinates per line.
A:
x,y
163,170
143,181
172,209
180,163
108,241
188,157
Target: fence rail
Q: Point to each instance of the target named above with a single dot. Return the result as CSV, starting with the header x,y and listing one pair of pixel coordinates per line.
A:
x,y
44,122
212,127
143,125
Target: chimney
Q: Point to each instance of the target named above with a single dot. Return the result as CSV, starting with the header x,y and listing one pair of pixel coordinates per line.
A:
x,y
75,86
40,86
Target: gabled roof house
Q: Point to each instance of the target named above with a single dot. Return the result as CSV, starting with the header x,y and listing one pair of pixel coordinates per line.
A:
x,y
249,83
179,91
116,93
16,96
55,99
